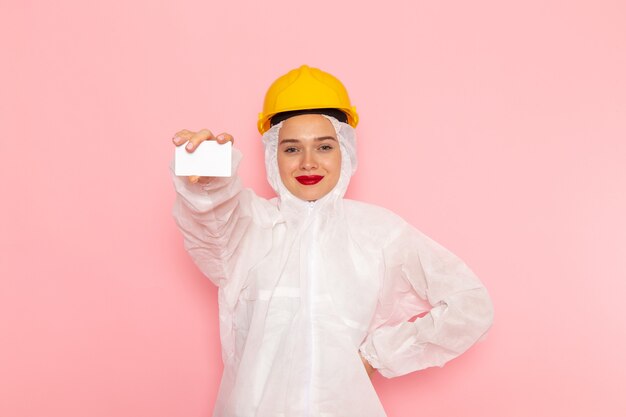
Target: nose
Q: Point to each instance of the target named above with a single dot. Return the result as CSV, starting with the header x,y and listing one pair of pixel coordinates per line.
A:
x,y
308,161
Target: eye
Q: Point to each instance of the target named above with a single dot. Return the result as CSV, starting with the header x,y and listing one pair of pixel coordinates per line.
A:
x,y
326,147
290,149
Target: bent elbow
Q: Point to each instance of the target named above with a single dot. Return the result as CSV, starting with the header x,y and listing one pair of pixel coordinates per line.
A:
x,y
483,314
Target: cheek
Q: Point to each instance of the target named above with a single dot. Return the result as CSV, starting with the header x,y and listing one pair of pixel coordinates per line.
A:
x,y
284,166
334,165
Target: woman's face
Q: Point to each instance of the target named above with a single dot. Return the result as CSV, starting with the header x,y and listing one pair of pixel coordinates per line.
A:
x,y
309,159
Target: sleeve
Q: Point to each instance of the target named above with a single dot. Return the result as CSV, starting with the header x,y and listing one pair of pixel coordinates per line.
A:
x,y
458,313
212,218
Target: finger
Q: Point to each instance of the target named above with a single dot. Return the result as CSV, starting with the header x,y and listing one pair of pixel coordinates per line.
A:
x,y
182,136
197,138
225,137
193,179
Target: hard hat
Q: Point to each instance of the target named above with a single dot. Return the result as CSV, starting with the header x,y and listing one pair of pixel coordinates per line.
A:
x,y
305,88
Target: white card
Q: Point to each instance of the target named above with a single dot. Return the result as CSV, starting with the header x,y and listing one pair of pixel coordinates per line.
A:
x,y
210,159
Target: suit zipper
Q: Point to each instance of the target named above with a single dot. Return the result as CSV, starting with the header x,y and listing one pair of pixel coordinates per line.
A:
x,y
311,263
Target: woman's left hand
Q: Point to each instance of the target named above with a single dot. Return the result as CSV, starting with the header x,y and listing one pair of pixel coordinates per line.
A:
x,y
369,368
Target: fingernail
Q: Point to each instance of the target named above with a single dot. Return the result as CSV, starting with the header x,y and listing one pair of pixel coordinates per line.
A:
x,y
189,146
176,139
220,137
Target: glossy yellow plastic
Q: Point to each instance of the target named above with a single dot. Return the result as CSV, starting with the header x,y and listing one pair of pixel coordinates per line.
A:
x,y
305,88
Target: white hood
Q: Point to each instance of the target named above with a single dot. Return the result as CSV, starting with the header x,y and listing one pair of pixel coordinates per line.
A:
x,y
346,136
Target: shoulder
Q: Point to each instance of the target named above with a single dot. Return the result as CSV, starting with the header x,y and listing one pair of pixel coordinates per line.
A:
x,y
360,208
262,210
375,222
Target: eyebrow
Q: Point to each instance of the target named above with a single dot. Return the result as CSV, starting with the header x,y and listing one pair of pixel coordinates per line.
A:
x,y
321,138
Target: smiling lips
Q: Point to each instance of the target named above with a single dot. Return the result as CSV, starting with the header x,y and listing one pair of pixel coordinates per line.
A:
x,y
309,179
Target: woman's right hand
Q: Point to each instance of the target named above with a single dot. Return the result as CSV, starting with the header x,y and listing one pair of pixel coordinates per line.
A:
x,y
194,139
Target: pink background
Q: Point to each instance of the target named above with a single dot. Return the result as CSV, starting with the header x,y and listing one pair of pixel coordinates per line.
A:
x,y
497,128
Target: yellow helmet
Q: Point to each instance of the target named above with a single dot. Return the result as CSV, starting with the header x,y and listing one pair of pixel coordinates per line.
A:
x,y
305,88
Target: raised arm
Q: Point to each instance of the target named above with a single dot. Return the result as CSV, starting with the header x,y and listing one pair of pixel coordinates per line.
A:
x,y
424,279
210,211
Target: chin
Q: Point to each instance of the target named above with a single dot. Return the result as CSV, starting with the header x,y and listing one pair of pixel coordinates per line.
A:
x,y
308,197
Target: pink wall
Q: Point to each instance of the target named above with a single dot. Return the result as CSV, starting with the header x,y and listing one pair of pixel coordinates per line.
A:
x,y
499,129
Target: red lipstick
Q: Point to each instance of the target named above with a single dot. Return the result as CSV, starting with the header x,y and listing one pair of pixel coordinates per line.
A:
x,y
309,179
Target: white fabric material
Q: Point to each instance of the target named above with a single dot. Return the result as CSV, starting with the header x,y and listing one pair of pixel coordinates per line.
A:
x,y
303,287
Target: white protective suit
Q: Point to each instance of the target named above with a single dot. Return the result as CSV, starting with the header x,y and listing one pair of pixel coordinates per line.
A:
x,y
303,287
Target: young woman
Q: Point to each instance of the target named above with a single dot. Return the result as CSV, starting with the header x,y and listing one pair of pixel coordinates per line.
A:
x,y
316,291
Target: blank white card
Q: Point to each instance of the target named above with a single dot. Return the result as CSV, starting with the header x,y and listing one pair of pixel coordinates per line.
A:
x,y
210,159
